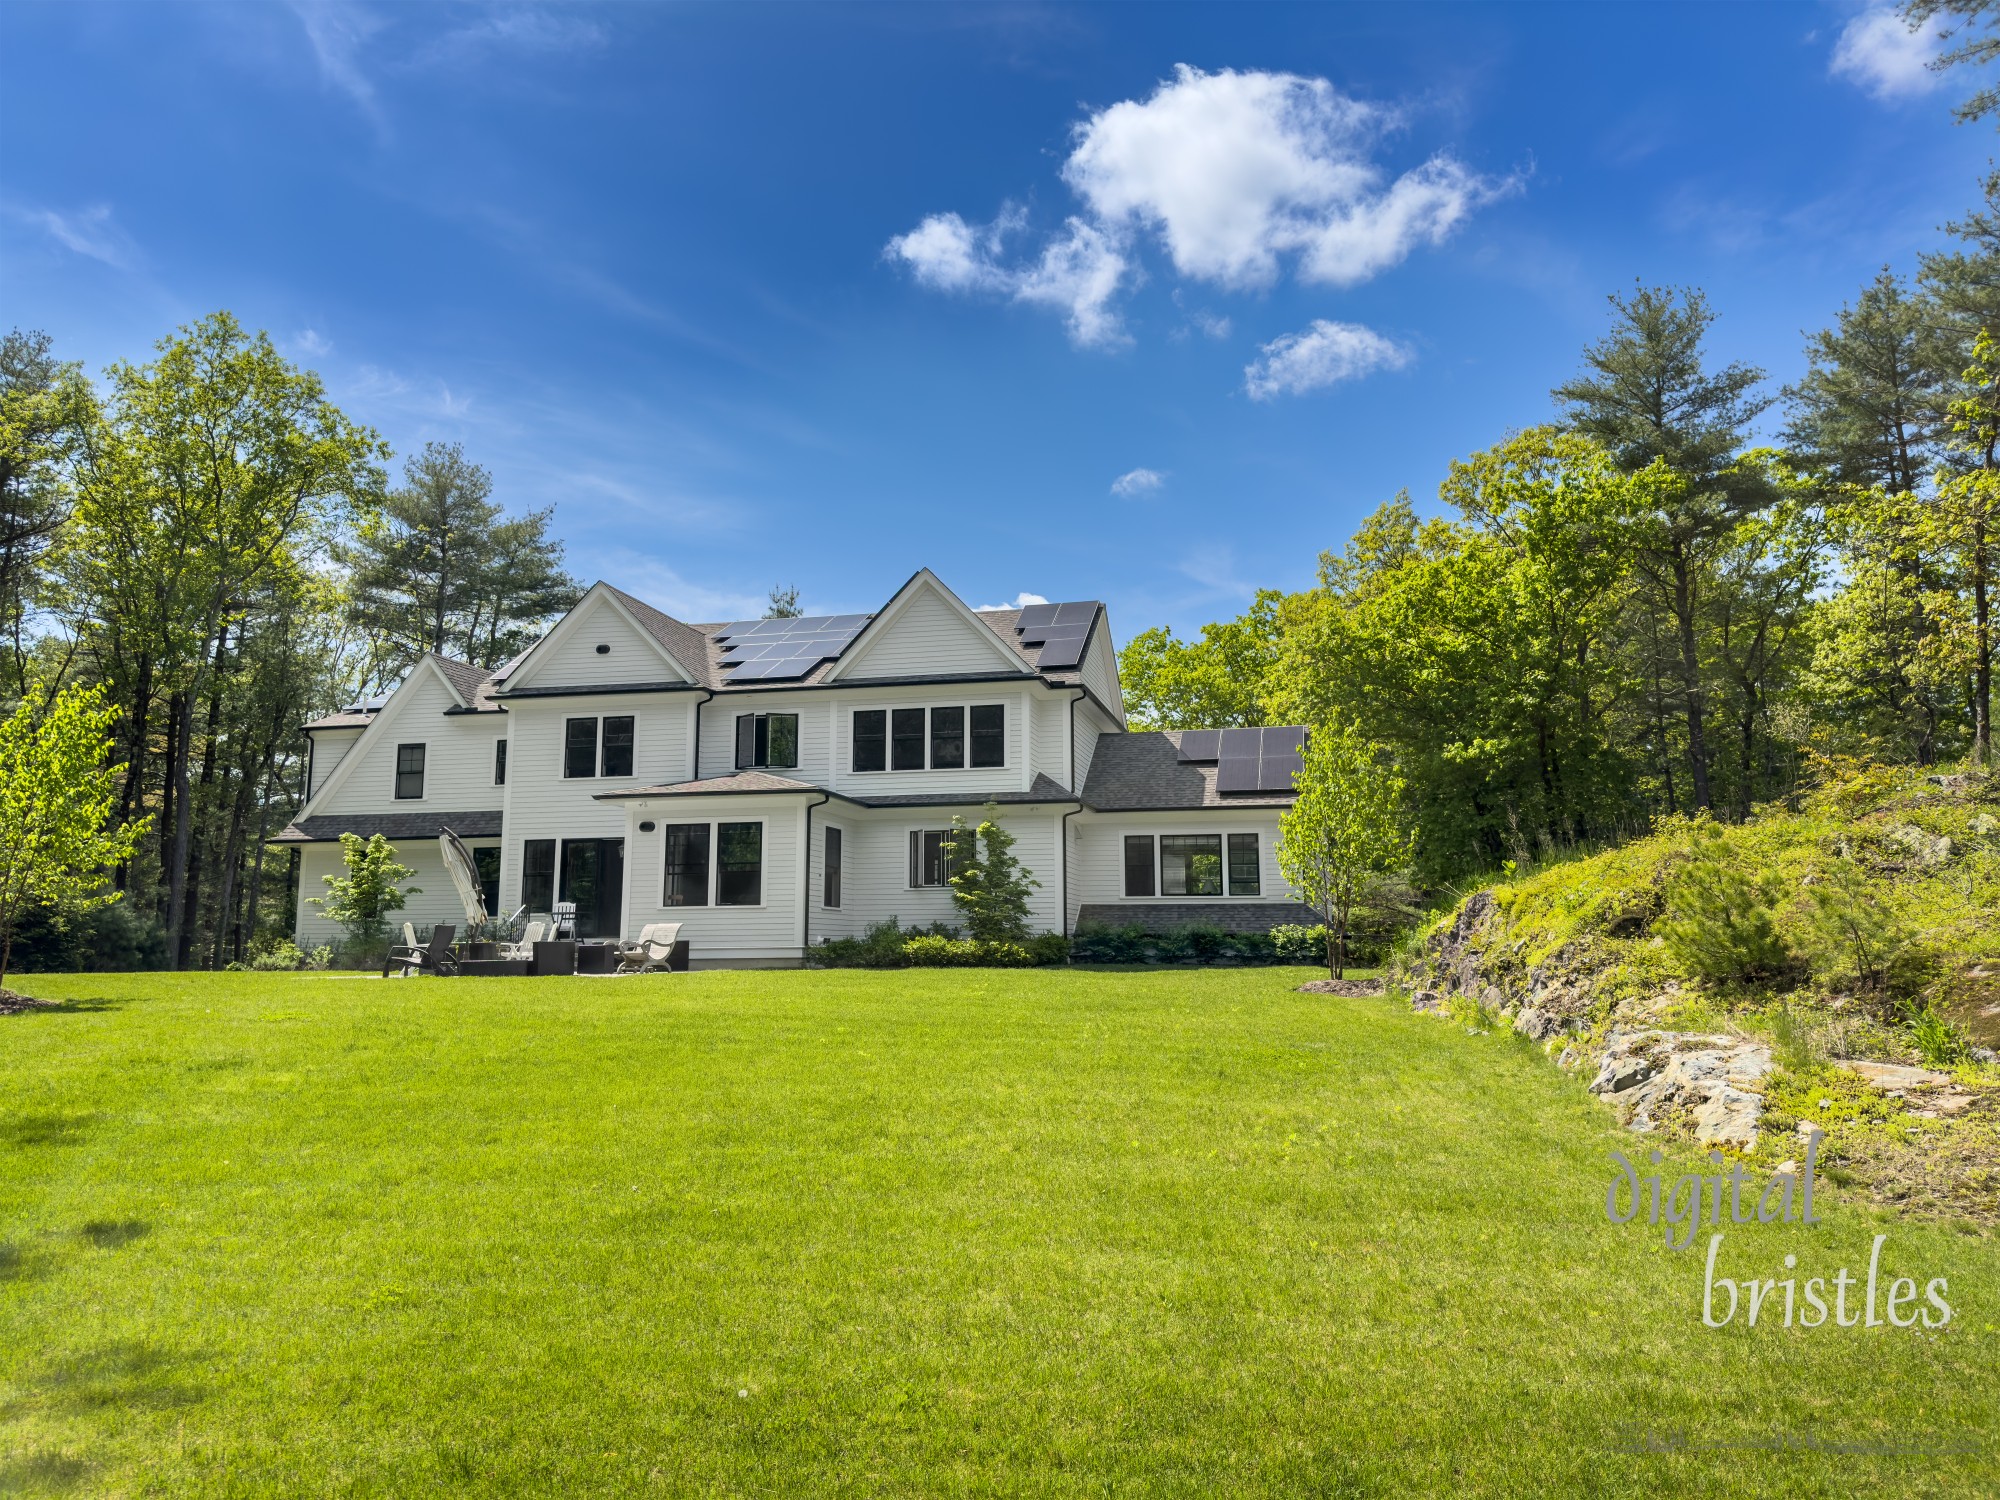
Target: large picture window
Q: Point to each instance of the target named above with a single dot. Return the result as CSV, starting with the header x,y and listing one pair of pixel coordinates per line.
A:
x,y
830,889
687,865
1139,864
538,874
767,740
1190,864
949,737
739,864
409,772
871,740
1244,879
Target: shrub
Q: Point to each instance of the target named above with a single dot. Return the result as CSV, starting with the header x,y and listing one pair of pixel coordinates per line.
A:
x,y
1940,1043
1004,955
881,947
1249,947
988,885
1292,944
1048,948
1855,930
281,956
1099,943
1718,923
932,952
1205,942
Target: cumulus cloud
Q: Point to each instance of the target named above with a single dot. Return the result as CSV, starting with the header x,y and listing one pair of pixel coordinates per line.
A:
x,y
1235,174
1020,601
1137,482
1324,354
1879,53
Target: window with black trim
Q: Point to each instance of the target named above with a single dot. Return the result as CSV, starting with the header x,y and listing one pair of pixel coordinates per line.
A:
x,y
687,865
935,857
499,762
618,745
830,888
767,740
487,862
1190,864
409,772
580,748
739,864
906,739
989,734
947,739
1138,864
538,874
1245,878
871,739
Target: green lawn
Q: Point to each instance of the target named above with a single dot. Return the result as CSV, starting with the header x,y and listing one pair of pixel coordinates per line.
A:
x,y
915,1233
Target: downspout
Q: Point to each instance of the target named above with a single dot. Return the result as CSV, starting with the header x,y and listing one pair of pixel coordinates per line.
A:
x,y
694,769
1062,835
806,896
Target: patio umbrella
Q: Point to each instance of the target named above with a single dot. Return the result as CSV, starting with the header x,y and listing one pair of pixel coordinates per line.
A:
x,y
464,874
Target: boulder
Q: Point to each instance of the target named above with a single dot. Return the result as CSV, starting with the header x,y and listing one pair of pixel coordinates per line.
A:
x,y
1621,1073
1537,1025
1896,1078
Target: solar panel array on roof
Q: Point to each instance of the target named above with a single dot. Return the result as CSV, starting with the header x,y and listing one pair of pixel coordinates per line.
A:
x,y
1059,629
1259,760
1201,744
774,650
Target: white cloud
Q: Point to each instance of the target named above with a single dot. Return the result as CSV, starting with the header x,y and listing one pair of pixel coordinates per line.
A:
x,y
1020,601
1137,482
309,342
338,32
1321,355
1879,53
1236,174
87,231
519,28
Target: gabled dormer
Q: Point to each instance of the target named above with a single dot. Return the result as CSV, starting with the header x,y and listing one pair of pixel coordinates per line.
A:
x,y
610,639
927,631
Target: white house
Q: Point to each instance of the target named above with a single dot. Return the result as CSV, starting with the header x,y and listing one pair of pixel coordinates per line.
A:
x,y
770,783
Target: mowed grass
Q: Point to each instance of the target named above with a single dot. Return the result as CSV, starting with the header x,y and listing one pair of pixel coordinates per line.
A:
x,y
924,1233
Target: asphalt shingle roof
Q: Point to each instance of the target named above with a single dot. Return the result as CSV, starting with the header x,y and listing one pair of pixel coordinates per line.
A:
x,y
1144,770
739,781
325,828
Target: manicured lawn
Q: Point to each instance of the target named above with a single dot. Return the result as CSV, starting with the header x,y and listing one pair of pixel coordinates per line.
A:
x,y
961,1232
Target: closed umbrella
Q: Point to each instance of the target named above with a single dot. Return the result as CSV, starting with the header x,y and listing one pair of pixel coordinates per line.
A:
x,y
465,875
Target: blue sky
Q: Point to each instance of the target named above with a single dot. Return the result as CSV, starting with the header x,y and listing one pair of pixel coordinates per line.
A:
x,y
760,295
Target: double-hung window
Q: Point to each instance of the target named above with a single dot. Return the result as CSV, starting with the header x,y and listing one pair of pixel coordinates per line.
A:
x,y
409,773
767,740
949,737
1244,877
935,856
739,864
687,865
538,874
586,754
499,762
830,891
1139,864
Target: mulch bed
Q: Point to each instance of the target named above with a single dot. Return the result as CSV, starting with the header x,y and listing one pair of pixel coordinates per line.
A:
x,y
10,1003
1341,987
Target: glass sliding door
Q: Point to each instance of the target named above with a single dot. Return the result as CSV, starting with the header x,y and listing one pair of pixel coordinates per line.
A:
x,y
593,876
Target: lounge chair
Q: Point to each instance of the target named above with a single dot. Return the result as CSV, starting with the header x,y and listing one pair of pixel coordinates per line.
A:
x,y
652,950
435,958
525,948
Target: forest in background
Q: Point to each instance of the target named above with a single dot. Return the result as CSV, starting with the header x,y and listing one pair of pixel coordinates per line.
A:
x,y
1642,608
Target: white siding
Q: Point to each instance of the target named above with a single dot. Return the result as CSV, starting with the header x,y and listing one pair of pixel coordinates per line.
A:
x,y
927,638
1049,735
436,899
981,780
878,866
574,659
1097,853
1089,725
329,749
816,714
768,934
458,763
1100,670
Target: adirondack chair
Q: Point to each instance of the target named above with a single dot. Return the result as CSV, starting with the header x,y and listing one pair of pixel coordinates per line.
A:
x,y
435,958
652,950
525,948
565,924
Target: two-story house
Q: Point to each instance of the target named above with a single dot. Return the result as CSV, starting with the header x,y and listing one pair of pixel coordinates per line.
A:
x,y
770,783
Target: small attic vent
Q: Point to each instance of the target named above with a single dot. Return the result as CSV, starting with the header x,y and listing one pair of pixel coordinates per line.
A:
x,y
603,650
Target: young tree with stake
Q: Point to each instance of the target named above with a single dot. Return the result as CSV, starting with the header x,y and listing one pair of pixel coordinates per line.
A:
x,y
1345,828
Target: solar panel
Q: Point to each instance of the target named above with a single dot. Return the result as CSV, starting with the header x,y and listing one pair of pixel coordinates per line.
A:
x,y
1035,616
762,650
1063,645
1245,743
774,668
1076,614
1238,773
1258,760
1201,744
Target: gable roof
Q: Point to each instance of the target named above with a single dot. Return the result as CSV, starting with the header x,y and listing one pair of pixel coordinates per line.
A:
x,y
1006,657
391,709
1143,772
660,631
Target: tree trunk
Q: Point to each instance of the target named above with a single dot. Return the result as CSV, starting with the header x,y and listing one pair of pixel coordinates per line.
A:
x,y
1691,679
173,820
1982,639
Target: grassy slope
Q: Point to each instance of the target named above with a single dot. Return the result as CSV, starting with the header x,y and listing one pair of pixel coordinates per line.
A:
x,y
861,1233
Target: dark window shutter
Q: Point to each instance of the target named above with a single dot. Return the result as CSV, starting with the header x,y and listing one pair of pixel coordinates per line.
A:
x,y
746,741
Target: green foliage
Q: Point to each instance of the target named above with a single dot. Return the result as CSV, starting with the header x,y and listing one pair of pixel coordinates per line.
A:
x,y
887,945
988,885
1211,683
1938,1040
362,899
1048,948
1293,944
1345,828
1857,931
285,956
1719,923
56,797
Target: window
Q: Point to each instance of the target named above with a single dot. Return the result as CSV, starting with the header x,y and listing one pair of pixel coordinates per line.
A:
x,y
911,739
1190,864
1243,865
989,734
767,740
618,746
409,772
538,874
499,762
580,748
830,894
1139,864
871,740
947,739
739,864
906,739
487,862
932,861
687,865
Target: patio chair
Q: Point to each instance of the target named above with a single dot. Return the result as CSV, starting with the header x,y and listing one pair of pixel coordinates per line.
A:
x,y
434,958
653,950
525,948
565,922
